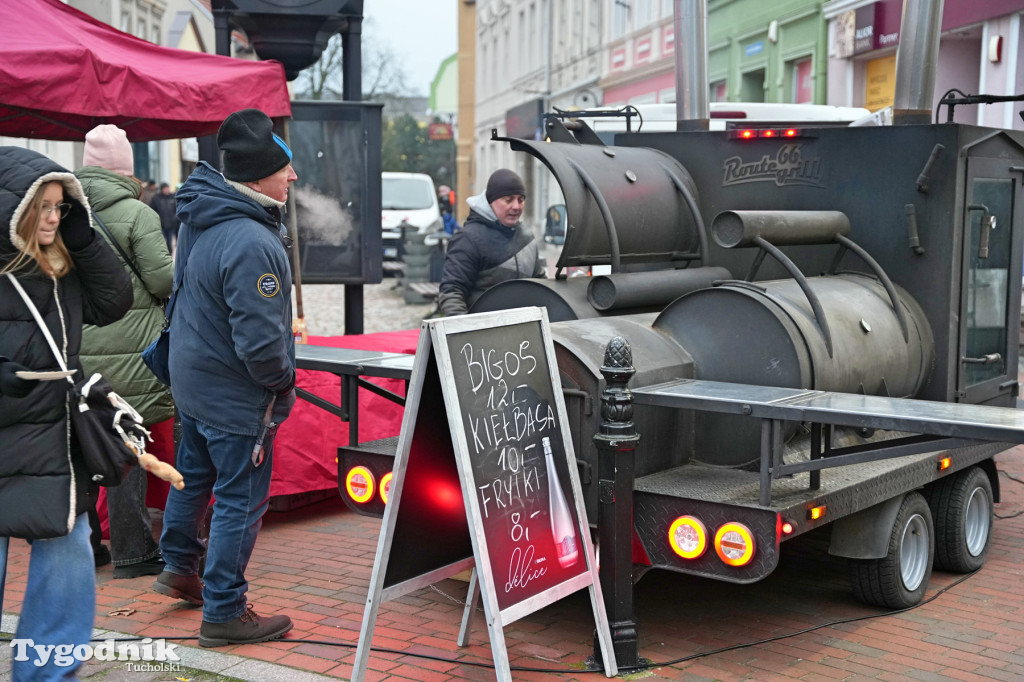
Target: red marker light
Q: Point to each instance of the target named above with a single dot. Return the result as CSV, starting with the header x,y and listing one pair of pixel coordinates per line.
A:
x,y
768,132
791,132
748,134
787,528
385,486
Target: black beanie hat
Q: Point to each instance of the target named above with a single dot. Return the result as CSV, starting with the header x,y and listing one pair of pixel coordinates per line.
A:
x,y
503,183
251,149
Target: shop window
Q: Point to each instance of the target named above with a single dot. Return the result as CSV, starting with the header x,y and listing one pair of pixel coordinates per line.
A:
x,y
717,92
801,81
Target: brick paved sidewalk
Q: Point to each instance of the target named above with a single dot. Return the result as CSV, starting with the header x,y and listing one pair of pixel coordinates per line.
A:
x,y
314,564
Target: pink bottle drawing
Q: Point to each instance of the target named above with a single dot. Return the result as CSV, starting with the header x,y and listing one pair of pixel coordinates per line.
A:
x,y
562,529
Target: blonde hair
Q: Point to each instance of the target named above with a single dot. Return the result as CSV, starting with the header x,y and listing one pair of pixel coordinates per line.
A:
x,y
53,259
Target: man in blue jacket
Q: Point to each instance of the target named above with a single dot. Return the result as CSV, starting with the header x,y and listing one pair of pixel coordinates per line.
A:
x,y
232,366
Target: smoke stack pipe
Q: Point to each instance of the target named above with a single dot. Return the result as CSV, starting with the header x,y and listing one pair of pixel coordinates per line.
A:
x,y
916,58
691,38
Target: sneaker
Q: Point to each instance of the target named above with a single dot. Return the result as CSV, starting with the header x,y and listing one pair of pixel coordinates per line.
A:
x,y
187,587
148,567
101,555
248,628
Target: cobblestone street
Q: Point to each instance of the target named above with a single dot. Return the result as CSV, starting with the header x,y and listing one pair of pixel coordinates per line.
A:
x,y
383,308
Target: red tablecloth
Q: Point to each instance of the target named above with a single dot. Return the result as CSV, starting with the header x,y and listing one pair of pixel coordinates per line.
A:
x,y
307,443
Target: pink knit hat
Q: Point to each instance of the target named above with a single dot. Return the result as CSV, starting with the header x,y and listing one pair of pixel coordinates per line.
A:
x,y
107,146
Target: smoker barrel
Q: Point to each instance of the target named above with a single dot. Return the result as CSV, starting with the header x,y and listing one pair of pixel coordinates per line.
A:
x,y
626,290
625,205
579,351
765,334
732,229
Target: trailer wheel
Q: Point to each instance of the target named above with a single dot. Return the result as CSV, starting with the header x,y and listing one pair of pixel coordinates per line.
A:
x,y
899,579
962,508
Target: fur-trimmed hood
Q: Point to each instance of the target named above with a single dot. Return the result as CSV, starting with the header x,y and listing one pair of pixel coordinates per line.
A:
x,y
22,173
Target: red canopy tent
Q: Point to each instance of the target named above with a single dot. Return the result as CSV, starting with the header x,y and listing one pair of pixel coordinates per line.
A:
x,y
63,73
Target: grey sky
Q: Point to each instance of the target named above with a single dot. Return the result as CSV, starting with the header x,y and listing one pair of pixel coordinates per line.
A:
x,y
422,33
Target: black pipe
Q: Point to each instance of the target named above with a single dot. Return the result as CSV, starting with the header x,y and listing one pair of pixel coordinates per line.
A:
x,y
732,229
645,289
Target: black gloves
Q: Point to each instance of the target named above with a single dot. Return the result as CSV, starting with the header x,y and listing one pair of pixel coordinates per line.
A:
x,y
75,230
11,385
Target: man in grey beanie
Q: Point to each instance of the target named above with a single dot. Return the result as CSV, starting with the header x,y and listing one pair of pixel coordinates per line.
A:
x,y
232,367
492,247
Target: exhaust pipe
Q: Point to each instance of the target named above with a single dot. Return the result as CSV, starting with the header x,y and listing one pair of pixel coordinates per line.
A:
x,y
916,57
691,38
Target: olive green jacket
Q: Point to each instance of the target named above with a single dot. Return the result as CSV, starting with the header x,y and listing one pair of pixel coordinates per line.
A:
x,y
114,350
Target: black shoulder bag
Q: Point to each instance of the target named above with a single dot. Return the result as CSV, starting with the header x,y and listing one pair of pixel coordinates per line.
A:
x,y
109,430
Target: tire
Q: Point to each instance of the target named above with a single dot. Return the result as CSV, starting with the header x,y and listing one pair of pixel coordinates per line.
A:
x,y
963,510
900,578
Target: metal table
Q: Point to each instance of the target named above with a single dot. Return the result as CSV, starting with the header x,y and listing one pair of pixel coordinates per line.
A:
x,y
351,365
941,425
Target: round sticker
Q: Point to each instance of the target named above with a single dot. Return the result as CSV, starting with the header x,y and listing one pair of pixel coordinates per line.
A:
x,y
268,285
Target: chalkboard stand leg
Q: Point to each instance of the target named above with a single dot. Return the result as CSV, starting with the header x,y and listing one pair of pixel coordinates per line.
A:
x,y
472,601
616,443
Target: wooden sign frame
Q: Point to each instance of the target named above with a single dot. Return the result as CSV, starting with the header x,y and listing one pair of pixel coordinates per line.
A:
x,y
424,543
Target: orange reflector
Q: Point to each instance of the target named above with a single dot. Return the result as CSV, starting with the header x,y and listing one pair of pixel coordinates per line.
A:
x,y
734,544
359,484
787,528
688,537
945,463
815,513
385,487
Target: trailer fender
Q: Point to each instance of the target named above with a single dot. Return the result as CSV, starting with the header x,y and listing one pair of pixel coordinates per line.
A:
x,y
865,535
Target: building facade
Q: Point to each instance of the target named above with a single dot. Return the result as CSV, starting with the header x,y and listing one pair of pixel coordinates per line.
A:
x,y
979,52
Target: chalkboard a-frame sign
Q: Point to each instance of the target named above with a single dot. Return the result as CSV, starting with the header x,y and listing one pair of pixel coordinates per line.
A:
x,y
485,479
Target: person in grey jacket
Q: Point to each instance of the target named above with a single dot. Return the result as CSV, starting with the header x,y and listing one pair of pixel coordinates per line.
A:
x,y
492,247
232,371
114,350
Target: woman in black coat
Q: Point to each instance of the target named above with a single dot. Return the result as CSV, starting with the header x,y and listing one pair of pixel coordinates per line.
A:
x,y
47,243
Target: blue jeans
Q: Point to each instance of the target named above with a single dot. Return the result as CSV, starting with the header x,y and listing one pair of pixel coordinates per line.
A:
x,y
217,463
60,602
131,533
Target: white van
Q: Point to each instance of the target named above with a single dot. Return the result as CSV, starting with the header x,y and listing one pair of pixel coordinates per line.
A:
x,y
408,198
662,117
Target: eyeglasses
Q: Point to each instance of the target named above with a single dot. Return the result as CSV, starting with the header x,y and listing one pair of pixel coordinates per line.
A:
x,y
63,209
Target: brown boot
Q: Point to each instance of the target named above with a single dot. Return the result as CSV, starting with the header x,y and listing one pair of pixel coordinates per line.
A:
x,y
246,629
187,587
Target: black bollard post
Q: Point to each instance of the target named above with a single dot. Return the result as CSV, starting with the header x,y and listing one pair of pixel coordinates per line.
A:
x,y
616,442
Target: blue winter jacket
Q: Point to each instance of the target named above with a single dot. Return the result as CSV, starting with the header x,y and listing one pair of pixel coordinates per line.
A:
x,y
232,347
